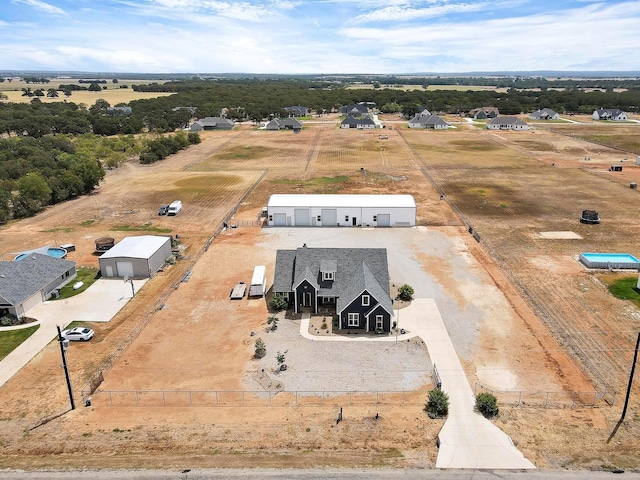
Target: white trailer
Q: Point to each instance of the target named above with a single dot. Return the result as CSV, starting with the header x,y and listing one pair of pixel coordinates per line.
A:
x,y
258,281
175,207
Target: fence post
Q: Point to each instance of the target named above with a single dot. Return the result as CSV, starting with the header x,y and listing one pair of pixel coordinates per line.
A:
x,y
349,397
377,397
164,401
110,398
242,398
217,399
190,398
546,403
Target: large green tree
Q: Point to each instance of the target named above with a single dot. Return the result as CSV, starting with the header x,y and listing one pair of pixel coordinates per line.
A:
x,y
33,193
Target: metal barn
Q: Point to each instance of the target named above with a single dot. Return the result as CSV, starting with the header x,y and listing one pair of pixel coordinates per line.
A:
x,y
341,211
136,257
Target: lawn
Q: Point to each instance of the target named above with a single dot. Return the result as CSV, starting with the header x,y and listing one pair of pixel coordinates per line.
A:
x,y
11,339
86,275
624,288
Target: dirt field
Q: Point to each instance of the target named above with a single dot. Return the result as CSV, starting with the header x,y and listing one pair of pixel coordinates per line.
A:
x,y
543,322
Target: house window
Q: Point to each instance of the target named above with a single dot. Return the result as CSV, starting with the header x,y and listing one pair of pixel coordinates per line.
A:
x,y
328,300
327,275
353,320
379,322
346,218
366,299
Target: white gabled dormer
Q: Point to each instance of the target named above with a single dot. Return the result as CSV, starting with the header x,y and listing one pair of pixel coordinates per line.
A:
x,y
328,269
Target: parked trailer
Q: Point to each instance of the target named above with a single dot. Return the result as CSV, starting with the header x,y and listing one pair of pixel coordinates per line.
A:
x,y
174,208
258,281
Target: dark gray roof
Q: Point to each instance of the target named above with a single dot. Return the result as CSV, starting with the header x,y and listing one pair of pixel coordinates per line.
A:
x,y
289,122
354,109
297,110
609,112
427,119
506,120
21,279
357,269
542,113
358,121
364,280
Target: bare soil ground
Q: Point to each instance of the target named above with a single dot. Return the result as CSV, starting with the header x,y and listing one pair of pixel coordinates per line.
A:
x,y
561,324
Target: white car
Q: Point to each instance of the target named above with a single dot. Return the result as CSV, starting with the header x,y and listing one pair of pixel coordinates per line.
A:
x,y
81,334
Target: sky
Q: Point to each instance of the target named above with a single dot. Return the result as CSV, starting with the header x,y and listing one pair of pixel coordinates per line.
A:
x,y
319,36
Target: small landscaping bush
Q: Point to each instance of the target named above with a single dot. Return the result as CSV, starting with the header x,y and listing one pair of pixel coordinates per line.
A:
x,y
278,302
487,404
438,404
405,292
260,348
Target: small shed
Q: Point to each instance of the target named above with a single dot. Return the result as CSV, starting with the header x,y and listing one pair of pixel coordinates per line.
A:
x,y
136,257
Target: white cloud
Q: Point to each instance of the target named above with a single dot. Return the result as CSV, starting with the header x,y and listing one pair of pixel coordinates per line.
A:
x,y
42,6
402,13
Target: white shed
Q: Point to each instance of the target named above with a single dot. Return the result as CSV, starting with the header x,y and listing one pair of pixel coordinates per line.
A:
x,y
136,257
341,211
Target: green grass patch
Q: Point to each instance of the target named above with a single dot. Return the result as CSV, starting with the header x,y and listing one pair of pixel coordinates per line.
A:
x,y
88,223
10,340
86,275
624,288
140,228
54,230
243,153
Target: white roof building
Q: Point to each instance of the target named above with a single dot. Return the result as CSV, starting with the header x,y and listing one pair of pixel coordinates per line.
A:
x,y
136,257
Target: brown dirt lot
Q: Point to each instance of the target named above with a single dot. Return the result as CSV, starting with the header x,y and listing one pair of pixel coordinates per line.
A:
x,y
566,327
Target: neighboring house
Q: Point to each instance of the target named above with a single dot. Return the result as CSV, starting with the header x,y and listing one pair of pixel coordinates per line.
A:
x,y
544,114
289,123
426,120
507,122
192,110
359,109
609,114
212,123
297,111
29,281
483,113
358,122
353,281
341,210
119,110
136,257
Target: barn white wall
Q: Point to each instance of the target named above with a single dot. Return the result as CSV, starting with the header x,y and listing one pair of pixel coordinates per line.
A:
x,y
400,216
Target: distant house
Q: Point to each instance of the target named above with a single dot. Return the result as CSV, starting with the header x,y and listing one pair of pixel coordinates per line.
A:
x,y
358,122
353,282
289,123
483,113
614,114
507,122
427,120
358,109
544,114
297,111
31,280
119,110
192,110
212,123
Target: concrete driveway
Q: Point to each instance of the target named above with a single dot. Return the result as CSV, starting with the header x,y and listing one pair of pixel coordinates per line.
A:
x,y
98,303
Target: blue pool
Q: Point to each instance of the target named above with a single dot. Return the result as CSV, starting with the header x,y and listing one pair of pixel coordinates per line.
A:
x,y
610,260
51,251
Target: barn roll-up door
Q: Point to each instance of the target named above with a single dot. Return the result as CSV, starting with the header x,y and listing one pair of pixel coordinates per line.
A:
x,y
280,219
329,217
301,216
125,269
384,220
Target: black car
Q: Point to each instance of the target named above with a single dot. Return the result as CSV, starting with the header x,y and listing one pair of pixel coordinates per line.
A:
x,y
163,209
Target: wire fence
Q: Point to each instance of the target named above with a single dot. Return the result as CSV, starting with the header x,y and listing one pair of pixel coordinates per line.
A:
x,y
249,398
547,399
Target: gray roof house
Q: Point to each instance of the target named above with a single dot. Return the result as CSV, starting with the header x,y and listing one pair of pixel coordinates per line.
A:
x,y
507,122
297,111
484,113
609,114
353,282
29,281
544,114
358,109
289,123
426,120
212,123
365,122
119,110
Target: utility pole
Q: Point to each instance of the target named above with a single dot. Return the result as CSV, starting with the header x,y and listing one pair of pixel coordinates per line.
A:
x,y
64,365
633,368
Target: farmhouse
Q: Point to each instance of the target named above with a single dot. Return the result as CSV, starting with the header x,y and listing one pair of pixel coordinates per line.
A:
x,y
359,109
426,120
483,113
609,114
297,111
136,257
212,123
289,123
353,281
119,110
29,281
341,210
507,122
360,123
544,114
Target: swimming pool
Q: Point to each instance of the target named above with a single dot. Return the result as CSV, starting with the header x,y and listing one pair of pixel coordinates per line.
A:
x,y
56,252
610,260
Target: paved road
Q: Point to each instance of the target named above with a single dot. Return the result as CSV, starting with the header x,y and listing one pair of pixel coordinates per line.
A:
x,y
98,303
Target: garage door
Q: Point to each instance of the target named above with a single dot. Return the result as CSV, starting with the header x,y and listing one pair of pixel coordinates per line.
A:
x,y
280,219
329,217
31,302
125,269
384,219
302,216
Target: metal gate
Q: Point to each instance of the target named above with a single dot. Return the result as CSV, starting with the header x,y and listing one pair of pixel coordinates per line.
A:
x,y
384,219
329,217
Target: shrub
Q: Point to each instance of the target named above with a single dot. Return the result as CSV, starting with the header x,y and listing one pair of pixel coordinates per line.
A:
x,y
273,321
438,404
405,292
9,320
278,302
193,138
487,404
260,348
